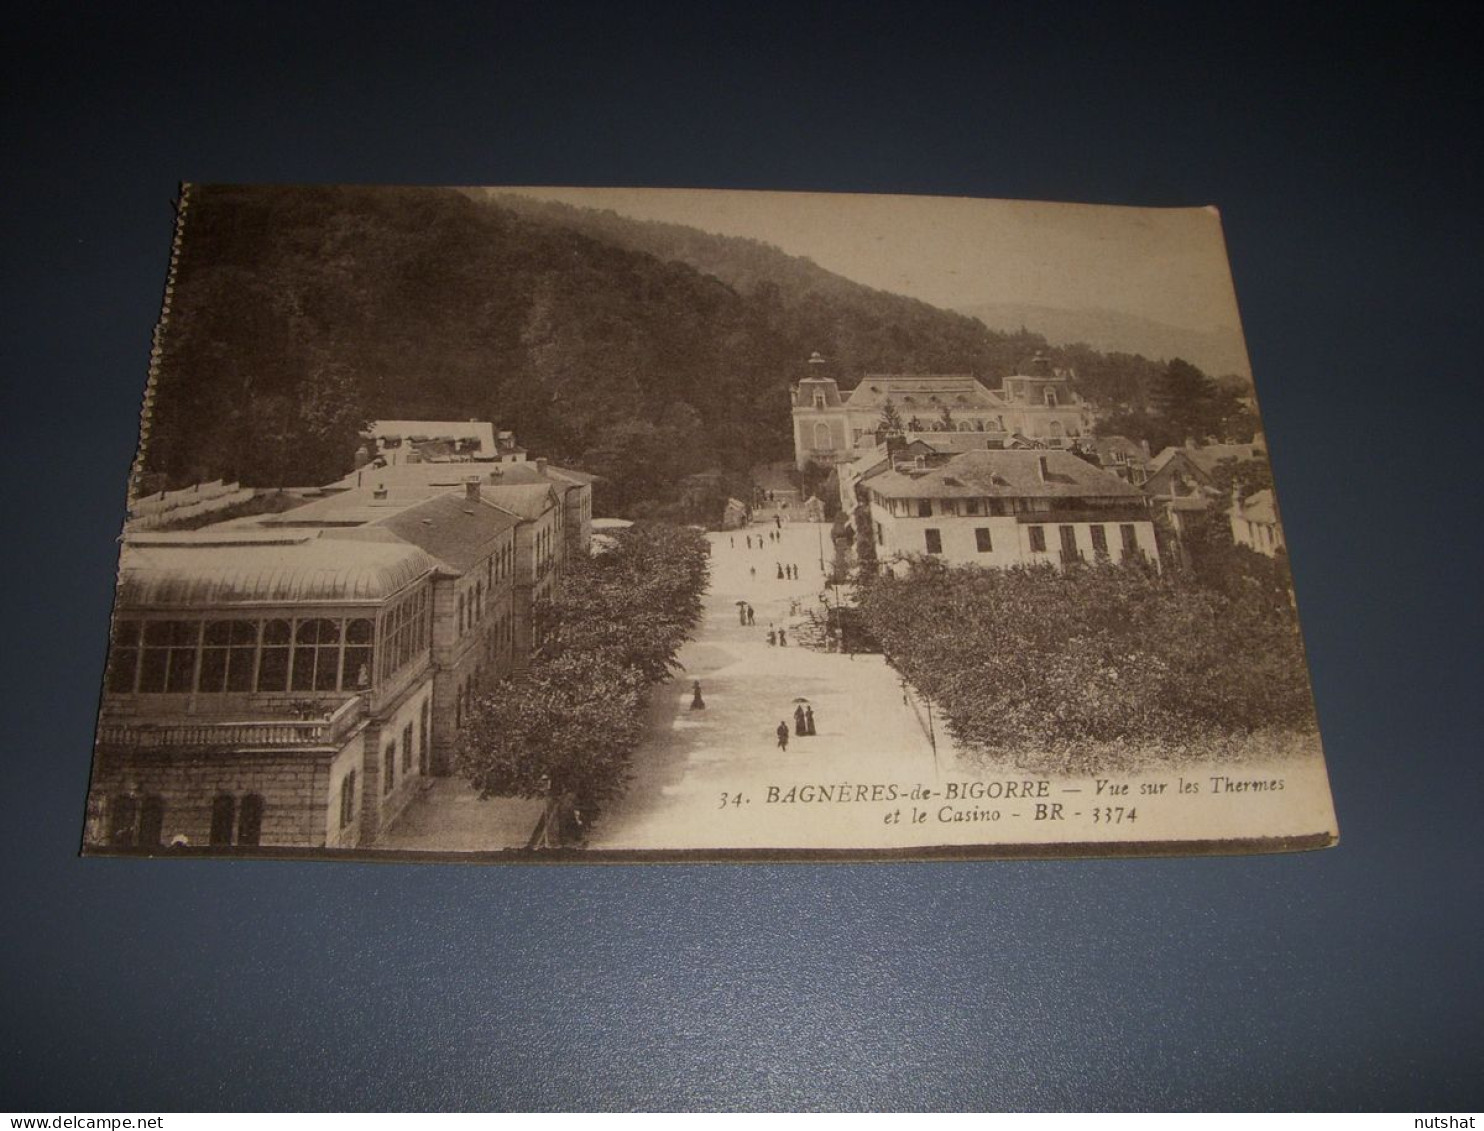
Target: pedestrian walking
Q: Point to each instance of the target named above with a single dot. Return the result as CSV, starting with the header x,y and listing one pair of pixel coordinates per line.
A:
x,y
749,541
799,721
780,570
696,702
808,719
778,522
782,733
742,615
751,616
772,636
752,570
732,538
782,638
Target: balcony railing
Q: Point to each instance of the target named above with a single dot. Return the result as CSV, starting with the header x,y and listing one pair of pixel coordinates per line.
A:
x,y
254,733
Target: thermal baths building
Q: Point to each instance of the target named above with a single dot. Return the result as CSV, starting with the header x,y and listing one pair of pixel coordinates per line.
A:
x,y
288,679
1006,508
263,688
1037,406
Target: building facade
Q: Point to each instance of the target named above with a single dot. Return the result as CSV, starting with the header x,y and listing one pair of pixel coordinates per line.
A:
x,y
289,679
1255,524
262,689
1007,508
1037,407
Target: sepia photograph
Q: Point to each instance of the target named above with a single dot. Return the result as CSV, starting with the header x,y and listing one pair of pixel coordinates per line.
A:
x,y
514,524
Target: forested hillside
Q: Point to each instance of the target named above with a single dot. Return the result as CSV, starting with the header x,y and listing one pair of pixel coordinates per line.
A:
x,y
641,352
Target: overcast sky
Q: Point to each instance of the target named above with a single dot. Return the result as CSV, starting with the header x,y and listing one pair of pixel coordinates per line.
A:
x,y
1159,263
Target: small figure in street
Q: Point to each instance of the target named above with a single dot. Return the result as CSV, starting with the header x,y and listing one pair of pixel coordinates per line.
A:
x,y
780,571
808,720
778,522
772,636
751,615
732,538
749,541
799,721
782,733
696,702
742,615
782,638
752,570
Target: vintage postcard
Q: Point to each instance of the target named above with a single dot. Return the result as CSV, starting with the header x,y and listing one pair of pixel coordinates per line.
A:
x,y
550,524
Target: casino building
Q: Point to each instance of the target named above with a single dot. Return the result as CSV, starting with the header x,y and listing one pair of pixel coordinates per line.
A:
x,y
1035,408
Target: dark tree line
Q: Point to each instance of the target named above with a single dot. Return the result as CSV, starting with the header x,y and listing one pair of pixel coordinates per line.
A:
x,y
1031,661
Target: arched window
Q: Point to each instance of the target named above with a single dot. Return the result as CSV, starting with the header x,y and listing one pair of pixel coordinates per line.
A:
x,y
228,650
151,821
422,739
317,655
823,439
358,654
273,663
123,821
250,819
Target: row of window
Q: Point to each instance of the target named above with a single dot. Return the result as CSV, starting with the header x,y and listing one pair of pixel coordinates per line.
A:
x,y
314,654
406,632
984,542
389,758
472,605
139,822
1068,536
995,507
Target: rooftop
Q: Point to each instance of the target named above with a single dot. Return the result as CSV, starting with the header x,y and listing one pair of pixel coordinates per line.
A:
x,y
1006,473
456,530
926,390
234,567
481,430
1207,456
1261,507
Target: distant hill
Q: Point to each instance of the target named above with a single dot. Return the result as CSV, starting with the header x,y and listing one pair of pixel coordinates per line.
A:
x,y
1216,352
642,352
858,328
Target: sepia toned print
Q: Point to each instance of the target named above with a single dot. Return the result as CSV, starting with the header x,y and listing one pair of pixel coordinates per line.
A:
x,y
530,524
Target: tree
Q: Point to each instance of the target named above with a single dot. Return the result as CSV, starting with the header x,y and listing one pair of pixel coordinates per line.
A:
x,y
566,729
1024,661
1186,398
891,419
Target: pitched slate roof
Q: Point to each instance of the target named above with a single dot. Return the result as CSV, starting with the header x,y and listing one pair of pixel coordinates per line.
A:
x,y
926,390
456,530
1206,458
1006,473
529,502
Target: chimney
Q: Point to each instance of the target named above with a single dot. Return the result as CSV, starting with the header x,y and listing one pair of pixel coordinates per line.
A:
x,y
1043,470
471,489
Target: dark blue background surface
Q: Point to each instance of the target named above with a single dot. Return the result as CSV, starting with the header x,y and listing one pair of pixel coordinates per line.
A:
x,y
1344,153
